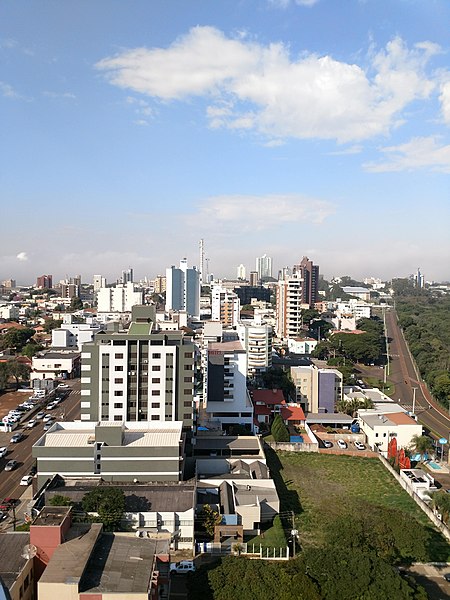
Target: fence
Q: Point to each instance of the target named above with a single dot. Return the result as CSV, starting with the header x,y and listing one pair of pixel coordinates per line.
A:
x,y
253,551
293,446
420,503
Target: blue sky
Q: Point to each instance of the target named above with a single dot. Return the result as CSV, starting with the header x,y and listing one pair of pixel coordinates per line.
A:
x,y
130,130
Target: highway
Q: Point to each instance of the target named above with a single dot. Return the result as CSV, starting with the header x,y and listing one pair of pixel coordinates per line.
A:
x,y
67,410
404,375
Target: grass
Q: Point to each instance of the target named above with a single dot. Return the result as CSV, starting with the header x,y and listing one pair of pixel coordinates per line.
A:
x,y
388,388
272,537
319,487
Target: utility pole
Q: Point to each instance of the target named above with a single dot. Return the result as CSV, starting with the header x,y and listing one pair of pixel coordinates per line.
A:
x,y
294,534
414,401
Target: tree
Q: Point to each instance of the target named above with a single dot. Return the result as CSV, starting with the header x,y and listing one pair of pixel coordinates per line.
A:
x,y
279,430
51,324
210,518
108,503
441,503
76,303
60,500
4,376
31,349
421,444
17,338
19,371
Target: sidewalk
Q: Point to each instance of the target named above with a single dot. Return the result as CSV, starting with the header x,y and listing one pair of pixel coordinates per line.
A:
x,y
21,510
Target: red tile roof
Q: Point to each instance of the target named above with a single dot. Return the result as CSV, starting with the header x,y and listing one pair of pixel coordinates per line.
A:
x,y
292,413
268,397
262,409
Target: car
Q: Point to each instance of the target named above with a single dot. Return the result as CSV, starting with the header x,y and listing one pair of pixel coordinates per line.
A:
x,y
17,437
342,445
63,386
26,480
11,465
327,443
51,406
40,415
3,515
447,576
47,418
185,566
359,446
3,451
8,503
48,425
31,423
33,471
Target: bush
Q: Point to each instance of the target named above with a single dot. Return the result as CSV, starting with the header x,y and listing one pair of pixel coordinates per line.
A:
x,y
279,430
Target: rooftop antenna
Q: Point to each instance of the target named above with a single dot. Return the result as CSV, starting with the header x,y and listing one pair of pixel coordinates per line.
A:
x,y
202,260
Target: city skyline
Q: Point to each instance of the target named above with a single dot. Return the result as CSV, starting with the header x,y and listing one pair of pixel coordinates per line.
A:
x,y
112,156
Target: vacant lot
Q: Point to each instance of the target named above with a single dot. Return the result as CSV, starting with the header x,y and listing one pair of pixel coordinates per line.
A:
x,y
319,488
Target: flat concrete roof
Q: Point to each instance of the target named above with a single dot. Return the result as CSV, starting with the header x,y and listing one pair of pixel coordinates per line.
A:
x,y
52,515
241,442
329,418
138,497
122,564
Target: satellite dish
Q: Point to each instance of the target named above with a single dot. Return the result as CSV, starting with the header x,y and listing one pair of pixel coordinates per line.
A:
x,y
29,551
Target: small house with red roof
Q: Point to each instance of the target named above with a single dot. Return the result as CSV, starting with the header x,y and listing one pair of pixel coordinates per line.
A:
x,y
292,414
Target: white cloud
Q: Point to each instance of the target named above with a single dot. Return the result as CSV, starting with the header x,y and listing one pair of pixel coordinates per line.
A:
x,y
7,91
418,153
250,86
22,256
286,3
445,101
59,95
257,213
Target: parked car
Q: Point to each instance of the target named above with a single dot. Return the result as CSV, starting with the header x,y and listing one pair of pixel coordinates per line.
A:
x,y
327,443
26,480
185,566
17,437
359,446
48,425
47,418
447,576
33,471
3,515
31,423
63,386
8,503
3,451
40,415
342,445
51,406
11,465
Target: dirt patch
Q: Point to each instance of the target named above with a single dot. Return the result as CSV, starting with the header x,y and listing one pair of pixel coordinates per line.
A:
x,y
10,400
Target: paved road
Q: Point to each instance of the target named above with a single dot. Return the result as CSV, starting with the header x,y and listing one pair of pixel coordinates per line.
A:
x,y
68,410
405,377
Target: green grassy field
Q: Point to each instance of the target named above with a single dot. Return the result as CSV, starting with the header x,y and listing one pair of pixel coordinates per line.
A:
x,y
319,487
388,388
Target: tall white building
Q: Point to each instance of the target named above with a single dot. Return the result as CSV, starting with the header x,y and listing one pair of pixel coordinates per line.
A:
x,y
99,282
183,289
118,299
241,272
225,306
289,306
227,397
256,338
264,266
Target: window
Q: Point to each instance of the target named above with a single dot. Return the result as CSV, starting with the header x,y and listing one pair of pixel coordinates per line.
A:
x,y
187,416
118,405
156,355
156,380
155,417
188,355
118,380
187,379
187,392
118,355
118,368
118,418
118,393
155,405
187,403
188,367
156,393
156,368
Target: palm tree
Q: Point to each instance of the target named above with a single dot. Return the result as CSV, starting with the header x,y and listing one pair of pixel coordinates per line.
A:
x,y
441,504
421,444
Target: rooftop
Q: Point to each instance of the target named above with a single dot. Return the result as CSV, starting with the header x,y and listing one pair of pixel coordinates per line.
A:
x,y
329,418
274,396
232,346
292,413
52,515
11,549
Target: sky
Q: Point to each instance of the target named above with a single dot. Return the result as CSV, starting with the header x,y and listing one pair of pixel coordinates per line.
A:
x,y
130,130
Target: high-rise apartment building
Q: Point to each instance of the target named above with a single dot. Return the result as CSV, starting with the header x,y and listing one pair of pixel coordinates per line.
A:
x,y
120,298
225,306
183,289
140,374
289,306
264,267
310,275
254,278
99,282
9,283
256,338
317,390
159,284
127,276
44,281
241,272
